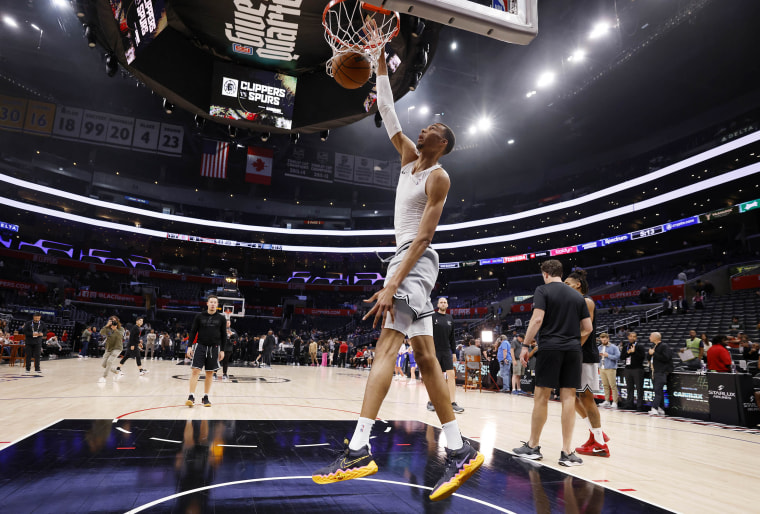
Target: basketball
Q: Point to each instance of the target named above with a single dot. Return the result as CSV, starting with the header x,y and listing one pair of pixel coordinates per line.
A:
x,y
351,70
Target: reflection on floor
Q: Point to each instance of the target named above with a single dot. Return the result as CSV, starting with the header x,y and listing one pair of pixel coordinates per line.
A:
x,y
265,466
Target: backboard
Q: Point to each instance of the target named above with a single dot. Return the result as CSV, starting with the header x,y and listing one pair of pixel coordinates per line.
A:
x,y
512,21
232,307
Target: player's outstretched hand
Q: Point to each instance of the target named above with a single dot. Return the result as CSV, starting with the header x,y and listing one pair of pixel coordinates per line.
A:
x,y
383,306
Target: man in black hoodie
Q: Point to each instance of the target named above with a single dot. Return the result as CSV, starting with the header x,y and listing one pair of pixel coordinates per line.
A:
x,y
34,334
207,335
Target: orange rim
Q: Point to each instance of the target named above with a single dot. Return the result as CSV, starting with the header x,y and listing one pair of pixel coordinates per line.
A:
x,y
374,8
368,7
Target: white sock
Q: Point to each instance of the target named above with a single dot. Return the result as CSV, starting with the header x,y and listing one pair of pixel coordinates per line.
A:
x,y
588,423
361,435
598,435
453,435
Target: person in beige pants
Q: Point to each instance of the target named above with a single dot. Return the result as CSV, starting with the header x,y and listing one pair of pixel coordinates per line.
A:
x,y
114,345
610,355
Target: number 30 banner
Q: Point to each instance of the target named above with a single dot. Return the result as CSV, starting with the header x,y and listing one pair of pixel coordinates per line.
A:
x,y
72,123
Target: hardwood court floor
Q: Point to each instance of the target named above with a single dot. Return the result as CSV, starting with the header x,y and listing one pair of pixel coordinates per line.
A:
x,y
678,466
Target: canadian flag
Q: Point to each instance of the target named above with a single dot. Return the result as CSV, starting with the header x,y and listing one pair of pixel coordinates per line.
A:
x,y
258,168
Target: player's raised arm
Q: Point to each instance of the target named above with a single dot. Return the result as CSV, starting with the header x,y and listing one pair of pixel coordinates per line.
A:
x,y
403,144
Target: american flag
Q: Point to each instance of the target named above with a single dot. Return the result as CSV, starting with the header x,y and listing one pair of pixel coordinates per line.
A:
x,y
214,161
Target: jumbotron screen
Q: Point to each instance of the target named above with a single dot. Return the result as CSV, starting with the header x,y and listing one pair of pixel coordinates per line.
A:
x,y
241,93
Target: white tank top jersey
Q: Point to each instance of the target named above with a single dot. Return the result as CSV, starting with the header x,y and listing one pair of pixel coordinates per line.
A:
x,y
410,202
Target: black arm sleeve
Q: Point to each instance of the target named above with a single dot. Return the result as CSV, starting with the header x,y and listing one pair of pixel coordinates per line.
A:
x,y
452,342
223,333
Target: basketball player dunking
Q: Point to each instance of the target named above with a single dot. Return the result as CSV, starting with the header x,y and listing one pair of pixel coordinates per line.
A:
x,y
403,304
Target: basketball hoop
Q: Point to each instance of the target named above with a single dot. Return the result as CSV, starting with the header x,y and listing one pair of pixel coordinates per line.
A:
x,y
345,32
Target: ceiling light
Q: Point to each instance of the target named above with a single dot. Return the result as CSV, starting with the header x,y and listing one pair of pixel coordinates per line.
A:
x,y
35,27
578,56
453,45
484,123
530,93
59,3
10,21
424,110
599,30
546,79
473,129
511,142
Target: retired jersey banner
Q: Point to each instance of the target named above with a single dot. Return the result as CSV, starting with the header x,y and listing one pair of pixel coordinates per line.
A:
x,y
258,167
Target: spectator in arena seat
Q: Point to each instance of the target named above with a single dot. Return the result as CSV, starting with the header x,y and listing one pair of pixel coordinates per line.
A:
x,y
682,305
697,348
749,349
610,354
718,356
735,327
662,366
667,305
699,301
706,343
52,345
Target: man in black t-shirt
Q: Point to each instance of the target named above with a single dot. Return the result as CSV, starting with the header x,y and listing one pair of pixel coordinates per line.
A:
x,y
133,346
445,350
208,336
560,320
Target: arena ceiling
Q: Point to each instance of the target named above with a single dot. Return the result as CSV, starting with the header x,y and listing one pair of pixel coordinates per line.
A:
x,y
665,70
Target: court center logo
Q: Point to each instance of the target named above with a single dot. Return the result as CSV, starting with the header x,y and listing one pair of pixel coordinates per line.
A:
x,y
230,87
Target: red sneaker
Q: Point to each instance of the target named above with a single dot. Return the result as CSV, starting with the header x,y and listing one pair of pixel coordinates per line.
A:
x,y
595,449
591,441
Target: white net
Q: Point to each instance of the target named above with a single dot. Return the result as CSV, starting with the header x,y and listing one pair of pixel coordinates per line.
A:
x,y
347,29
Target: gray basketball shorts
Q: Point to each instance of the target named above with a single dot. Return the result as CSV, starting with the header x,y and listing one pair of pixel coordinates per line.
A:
x,y
412,307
